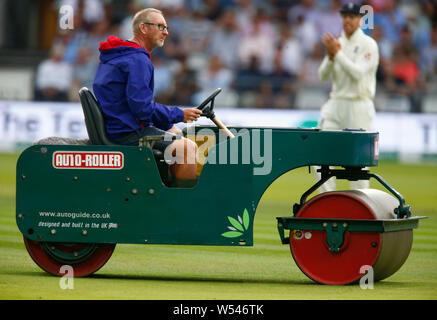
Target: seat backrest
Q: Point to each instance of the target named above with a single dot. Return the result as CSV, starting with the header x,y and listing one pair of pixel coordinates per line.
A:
x,y
94,121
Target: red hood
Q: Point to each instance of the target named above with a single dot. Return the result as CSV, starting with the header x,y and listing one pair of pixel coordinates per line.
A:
x,y
114,42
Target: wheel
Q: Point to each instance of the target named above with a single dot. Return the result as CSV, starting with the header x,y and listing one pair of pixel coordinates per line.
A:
x,y
85,258
385,252
209,111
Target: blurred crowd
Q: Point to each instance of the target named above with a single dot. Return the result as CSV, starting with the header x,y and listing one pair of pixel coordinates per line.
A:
x,y
261,52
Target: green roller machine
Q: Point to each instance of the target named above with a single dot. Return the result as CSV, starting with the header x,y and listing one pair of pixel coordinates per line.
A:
x,y
74,203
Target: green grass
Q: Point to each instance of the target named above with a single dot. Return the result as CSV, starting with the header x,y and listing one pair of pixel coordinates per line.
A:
x,y
264,271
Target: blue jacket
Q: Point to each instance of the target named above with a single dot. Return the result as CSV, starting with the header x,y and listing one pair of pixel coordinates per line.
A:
x,y
123,85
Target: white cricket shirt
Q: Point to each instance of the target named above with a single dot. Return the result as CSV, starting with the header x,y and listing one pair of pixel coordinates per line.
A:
x,y
353,68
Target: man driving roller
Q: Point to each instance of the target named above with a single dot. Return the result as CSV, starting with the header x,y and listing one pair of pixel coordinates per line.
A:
x,y
124,84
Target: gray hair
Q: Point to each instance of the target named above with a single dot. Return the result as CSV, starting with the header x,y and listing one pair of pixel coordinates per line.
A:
x,y
142,16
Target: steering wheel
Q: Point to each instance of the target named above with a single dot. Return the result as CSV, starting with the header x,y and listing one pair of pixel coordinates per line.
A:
x,y
208,111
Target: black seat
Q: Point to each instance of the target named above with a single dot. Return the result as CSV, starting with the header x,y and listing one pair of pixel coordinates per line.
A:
x,y
95,126
94,121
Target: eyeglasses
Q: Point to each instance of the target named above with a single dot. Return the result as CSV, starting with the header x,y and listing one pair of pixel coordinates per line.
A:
x,y
161,27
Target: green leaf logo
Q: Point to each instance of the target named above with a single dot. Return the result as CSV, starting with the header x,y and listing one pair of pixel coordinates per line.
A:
x,y
245,219
238,226
232,234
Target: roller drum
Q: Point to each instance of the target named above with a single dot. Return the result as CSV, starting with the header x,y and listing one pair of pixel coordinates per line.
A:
x,y
385,252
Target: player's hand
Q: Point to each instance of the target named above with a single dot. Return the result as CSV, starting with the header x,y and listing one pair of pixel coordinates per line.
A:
x,y
191,114
328,39
331,44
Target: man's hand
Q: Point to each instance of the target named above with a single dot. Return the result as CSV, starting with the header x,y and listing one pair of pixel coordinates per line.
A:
x,y
331,44
191,114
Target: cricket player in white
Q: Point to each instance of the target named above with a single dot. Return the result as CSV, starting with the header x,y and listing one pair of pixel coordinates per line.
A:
x,y
352,60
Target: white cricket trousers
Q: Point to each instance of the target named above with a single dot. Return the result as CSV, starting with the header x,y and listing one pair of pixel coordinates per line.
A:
x,y
338,114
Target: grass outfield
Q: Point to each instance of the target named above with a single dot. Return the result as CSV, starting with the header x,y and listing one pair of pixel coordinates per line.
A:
x,y
264,271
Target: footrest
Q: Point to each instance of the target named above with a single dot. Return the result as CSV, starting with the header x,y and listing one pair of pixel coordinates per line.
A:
x,y
149,141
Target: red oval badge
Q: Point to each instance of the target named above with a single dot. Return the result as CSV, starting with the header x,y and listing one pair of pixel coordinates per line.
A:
x,y
106,160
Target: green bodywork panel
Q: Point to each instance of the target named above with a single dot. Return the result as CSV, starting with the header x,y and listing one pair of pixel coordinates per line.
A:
x,y
132,205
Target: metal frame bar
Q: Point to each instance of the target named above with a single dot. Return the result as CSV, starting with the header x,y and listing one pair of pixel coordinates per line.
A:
x,y
356,225
354,174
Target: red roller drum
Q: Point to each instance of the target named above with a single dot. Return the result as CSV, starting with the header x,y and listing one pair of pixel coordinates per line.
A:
x,y
385,252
